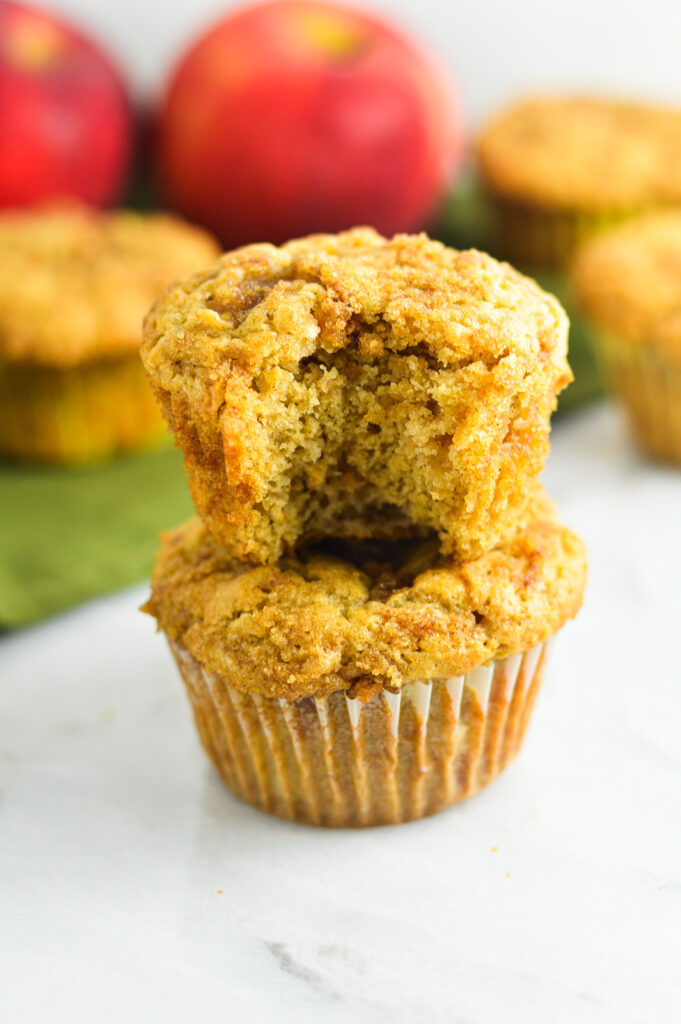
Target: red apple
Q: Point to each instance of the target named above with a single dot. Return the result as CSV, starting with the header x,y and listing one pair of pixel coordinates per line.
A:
x,y
65,121
293,117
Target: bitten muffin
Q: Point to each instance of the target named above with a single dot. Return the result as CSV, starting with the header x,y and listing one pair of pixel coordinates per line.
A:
x,y
75,284
560,169
628,283
352,386
341,694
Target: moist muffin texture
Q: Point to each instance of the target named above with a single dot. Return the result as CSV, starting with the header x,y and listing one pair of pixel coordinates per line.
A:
x,y
75,284
583,153
319,624
352,386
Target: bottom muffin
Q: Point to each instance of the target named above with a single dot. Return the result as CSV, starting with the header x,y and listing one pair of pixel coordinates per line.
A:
x,y
338,694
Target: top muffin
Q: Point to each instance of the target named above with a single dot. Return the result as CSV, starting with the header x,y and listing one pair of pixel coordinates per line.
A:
x,y
352,386
75,283
582,153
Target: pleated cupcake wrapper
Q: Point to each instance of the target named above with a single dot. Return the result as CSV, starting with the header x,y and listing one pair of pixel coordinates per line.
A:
x,y
649,386
336,761
540,237
78,414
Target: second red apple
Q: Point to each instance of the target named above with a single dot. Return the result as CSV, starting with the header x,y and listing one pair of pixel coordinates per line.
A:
x,y
293,117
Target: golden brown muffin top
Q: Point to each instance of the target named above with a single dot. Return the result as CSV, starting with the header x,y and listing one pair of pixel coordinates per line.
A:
x,y
629,281
583,153
262,306
75,283
344,377
311,626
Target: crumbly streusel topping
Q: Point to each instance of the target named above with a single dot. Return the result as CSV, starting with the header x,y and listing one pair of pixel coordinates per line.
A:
x,y
355,385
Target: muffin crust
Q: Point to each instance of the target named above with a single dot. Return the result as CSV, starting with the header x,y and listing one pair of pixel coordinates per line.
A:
x,y
355,386
318,624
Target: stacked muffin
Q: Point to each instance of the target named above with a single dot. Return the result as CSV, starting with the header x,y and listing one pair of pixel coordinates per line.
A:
x,y
362,610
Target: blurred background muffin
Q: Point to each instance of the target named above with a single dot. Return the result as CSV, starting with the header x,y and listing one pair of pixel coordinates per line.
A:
x,y
559,169
628,283
74,287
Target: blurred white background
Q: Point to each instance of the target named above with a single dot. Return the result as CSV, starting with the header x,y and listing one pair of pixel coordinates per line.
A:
x,y
496,49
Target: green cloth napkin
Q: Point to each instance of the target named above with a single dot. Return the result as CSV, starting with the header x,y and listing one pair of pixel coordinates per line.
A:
x,y
68,535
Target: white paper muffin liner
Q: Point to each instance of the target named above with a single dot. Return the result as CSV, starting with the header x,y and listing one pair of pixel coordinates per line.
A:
x,y
337,761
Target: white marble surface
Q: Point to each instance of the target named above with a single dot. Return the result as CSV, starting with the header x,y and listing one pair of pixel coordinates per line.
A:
x,y
134,887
